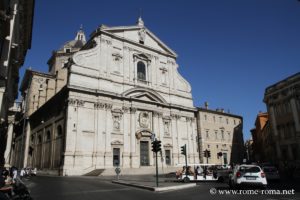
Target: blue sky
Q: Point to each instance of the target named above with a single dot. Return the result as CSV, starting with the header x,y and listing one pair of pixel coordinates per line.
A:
x,y
229,50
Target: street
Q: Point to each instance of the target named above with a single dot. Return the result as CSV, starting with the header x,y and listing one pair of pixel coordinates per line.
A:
x,y
67,188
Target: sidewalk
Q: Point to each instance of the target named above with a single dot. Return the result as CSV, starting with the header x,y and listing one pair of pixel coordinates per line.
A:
x,y
148,182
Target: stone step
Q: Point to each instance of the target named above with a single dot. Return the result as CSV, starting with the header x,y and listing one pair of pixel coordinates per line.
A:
x,y
139,171
95,172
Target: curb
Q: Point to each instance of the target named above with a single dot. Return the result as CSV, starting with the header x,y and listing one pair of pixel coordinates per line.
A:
x,y
157,189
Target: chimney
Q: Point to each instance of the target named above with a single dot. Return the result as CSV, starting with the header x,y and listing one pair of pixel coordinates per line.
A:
x,y
206,105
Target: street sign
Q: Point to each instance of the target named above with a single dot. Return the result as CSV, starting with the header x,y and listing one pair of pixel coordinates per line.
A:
x,y
118,171
152,137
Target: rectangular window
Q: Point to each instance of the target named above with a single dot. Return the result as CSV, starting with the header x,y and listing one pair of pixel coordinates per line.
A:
x,y
168,157
116,156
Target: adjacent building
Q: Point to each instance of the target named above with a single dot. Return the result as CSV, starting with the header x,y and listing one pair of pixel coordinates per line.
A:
x,y
263,141
221,134
16,20
249,150
283,106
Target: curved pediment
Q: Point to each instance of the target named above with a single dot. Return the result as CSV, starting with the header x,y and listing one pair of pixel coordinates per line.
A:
x,y
144,94
116,142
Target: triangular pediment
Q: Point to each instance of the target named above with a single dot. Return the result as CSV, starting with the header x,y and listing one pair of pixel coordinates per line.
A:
x,y
144,94
136,33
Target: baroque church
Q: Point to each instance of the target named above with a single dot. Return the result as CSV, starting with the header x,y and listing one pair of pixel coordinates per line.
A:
x,y
102,103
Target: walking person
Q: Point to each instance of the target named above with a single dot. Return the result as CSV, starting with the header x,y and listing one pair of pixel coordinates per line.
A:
x,y
15,174
22,173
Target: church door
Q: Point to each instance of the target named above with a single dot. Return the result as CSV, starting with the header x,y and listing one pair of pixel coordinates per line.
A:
x,y
144,153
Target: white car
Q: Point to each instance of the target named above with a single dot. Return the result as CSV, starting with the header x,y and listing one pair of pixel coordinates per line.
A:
x,y
247,175
271,173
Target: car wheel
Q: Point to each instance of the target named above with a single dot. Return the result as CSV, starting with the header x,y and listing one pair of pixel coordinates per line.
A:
x,y
186,180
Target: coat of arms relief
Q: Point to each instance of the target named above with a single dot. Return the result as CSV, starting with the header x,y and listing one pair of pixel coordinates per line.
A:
x,y
144,120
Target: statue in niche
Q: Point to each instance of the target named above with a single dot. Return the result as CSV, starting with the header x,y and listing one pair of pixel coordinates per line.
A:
x,y
117,116
167,127
116,122
144,120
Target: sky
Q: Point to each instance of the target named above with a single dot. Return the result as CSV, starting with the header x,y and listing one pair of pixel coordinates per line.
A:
x,y
228,50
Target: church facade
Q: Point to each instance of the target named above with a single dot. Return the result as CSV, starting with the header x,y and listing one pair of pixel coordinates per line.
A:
x,y
122,89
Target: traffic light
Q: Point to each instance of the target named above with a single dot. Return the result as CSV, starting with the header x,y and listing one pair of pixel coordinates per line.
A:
x,y
220,154
156,146
205,153
183,149
208,154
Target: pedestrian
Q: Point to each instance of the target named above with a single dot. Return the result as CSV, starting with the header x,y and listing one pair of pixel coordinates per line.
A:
x,y
15,174
22,173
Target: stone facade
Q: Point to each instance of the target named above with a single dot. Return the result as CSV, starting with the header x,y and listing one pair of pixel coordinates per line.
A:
x,y
106,99
126,83
123,87
283,106
220,132
16,19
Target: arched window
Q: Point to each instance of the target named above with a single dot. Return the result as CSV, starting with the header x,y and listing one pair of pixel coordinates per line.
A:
x,y
48,136
39,139
141,71
59,131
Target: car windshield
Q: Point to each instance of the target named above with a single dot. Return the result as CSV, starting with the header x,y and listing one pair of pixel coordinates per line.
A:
x,y
246,169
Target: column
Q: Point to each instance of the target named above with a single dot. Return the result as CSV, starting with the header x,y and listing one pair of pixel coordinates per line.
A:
x,y
175,137
174,144
133,154
7,152
161,137
100,147
189,145
27,136
195,141
295,114
70,136
126,133
95,142
273,120
109,125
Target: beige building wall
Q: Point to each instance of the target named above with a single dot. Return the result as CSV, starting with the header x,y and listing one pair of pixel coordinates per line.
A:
x,y
283,105
220,132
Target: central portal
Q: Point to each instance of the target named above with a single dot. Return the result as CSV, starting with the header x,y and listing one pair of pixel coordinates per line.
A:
x,y
144,153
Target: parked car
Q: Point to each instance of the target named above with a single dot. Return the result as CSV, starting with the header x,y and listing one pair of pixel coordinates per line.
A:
x,y
247,175
271,173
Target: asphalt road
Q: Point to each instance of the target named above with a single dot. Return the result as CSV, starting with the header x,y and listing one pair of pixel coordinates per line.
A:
x,y
86,188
